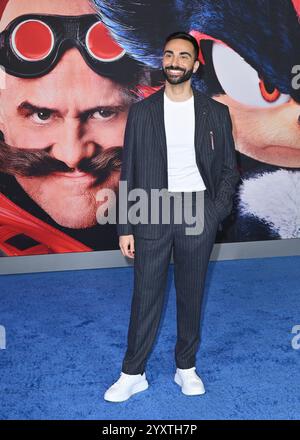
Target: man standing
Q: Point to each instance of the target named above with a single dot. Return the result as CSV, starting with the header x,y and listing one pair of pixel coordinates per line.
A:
x,y
180,140
63,111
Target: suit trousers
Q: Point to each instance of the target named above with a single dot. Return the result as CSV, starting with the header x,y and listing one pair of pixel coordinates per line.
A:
x,y
191,255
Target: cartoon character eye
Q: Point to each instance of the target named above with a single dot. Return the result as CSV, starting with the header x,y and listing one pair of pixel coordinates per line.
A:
x,y
241,82
269,93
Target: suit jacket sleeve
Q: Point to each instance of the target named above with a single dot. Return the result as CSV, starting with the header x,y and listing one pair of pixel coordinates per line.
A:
x,y
127,171
230,174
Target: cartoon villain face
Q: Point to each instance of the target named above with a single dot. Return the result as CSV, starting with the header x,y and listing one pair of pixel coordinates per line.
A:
x,y
64,101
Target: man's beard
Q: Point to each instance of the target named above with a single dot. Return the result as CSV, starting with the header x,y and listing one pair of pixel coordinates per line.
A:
x,y
178,80
37,163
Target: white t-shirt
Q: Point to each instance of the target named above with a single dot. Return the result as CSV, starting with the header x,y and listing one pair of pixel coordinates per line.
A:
x,y
183,173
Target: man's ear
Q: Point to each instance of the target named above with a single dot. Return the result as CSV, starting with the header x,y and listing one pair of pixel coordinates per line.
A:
x,y
1,130
1,116
2,87
196,66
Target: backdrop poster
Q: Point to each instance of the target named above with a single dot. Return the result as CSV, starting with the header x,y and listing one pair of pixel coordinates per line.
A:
x,y
65,97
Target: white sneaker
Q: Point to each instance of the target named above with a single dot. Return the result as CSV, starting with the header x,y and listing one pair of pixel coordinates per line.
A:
x,y
126,386
189,381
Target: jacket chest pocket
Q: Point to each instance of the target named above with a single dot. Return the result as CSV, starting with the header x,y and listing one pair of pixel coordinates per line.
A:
x,y
213,139
211,150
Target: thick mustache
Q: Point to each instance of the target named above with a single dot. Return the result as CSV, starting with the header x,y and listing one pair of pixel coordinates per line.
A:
x,y
37,163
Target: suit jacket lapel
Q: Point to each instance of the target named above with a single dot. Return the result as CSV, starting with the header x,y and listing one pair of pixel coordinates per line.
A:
x,y
201,112
159,122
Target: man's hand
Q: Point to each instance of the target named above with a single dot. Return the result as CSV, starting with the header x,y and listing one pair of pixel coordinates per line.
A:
x,y
126,243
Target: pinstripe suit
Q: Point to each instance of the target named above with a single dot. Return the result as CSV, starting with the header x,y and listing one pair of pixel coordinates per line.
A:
x,y
145,166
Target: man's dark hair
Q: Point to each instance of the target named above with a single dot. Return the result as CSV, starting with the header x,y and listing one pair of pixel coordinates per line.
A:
x,y
185,36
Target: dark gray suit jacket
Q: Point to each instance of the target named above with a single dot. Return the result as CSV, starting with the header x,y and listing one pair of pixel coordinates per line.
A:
x,y
145,155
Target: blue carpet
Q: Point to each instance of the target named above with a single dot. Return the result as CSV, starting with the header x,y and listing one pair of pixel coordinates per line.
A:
x,y
66,337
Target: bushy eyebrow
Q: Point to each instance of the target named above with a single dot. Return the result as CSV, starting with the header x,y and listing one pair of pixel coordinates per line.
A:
x,y
26,105
35,108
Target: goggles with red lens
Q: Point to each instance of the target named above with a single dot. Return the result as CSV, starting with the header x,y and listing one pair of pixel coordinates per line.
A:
x,y
31,45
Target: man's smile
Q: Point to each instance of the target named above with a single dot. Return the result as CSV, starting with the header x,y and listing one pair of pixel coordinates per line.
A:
x,y
175,72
